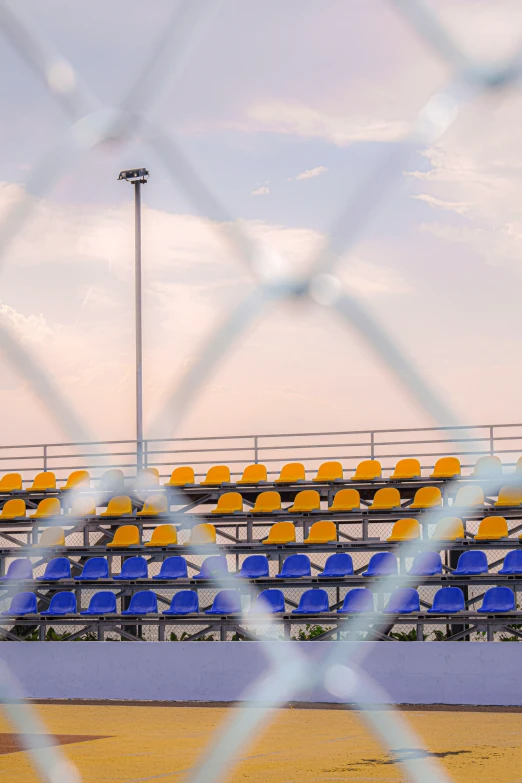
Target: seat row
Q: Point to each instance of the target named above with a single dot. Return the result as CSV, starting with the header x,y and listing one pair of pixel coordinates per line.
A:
x,y
338,565
404,600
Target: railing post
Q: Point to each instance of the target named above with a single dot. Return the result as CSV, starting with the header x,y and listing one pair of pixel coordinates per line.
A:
x,y
255,450
491,440
372,445
45,458
145,453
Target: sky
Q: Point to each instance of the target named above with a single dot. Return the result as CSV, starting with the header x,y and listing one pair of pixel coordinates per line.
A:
x,y
282,109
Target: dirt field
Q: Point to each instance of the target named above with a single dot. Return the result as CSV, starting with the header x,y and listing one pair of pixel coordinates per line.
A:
x,y
134,744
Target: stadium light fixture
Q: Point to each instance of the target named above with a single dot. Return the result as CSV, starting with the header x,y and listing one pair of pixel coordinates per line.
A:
x,y
137,177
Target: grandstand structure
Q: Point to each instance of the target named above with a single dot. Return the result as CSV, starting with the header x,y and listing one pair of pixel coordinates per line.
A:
x,y
416,531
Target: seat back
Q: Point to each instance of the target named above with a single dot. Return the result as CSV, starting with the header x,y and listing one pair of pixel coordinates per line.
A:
x,y
185,602
254,567
10,482
103,602
405,530
387,497
406,469
426,564
492,528
143,602
518,468
267,502
213,567
13,509
427,497
254,474
63,603
322,532
367,470
153,506
95,568
163,535
290,473
281,533
126,535
403,601
22,568
448,600
216,475
226,602
229,503
181,476
119,506
52,536
43,481
329,471
498,599
58,568
472,562
83,506
134,568
314,601
112,480
346,500
174,567
446,467
381,564
147,478
360,599
488,467
202,534
296,566
469,497
448,529
307,500
48,507
269,602
338,564
23,603
512,563
78,478
509,496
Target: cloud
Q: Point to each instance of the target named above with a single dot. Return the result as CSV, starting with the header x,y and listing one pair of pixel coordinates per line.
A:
x,y
263,190
310,173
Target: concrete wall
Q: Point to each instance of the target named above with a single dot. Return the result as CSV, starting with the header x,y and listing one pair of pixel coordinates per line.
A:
x,y
410,672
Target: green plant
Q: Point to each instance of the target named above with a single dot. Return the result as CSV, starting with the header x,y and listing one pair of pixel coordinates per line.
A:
x,y
406,637
310,632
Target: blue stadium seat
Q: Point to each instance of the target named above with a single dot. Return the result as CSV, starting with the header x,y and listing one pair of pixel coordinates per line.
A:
x,y
269,601
57,568
174,567
295,566
213,567
103,602
313,602
512,563
184,602
403,601
471,563
381,564
337,565
133,568
22,568
254,567
23,603
498,599
226,602
94,568
426,564
62,603
447,600
144,602
360,599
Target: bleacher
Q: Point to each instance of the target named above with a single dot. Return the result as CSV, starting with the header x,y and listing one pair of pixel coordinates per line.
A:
x,y
436,555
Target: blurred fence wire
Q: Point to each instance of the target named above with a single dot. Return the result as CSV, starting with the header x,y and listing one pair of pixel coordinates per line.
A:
x,y
91,124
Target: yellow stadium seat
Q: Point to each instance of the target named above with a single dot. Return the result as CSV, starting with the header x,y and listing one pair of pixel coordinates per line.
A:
x,y
147,478
50,507
281,533
78,478
163,535
154,506
112,480
253,474
405,530
218,474
52,536
509,496
322,533
42,482
126,535
406,469
488,467
446,467
449,529
469,496
204,533
367,470
180,477
386,498
267,502
518,467
346,500
305,501
492,527
291,473
118,507
10,482
13,509
83,506
427,497
229,503
329,471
